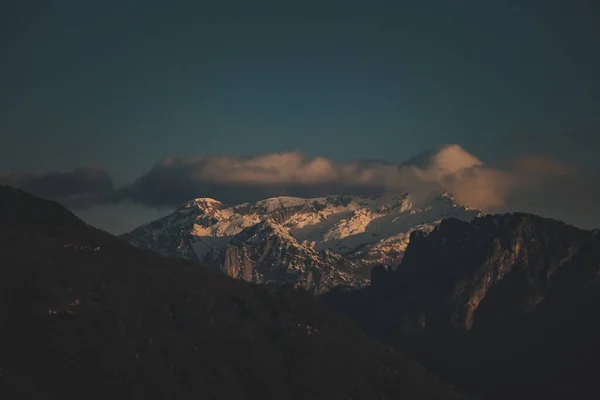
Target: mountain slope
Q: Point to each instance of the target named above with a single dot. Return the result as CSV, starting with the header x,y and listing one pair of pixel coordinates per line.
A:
x,y
85,314
314,243
506,305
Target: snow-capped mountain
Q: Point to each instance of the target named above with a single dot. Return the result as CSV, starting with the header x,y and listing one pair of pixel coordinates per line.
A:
x,y
316,243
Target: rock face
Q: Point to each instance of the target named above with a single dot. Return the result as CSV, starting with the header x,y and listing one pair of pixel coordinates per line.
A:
x,y
459,264
499,305
86,315
313,243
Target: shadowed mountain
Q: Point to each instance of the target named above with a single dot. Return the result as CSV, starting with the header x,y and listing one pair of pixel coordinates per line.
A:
x,y
507,306
85,315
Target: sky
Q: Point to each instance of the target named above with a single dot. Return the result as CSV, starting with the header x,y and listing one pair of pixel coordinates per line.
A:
x,y
104,105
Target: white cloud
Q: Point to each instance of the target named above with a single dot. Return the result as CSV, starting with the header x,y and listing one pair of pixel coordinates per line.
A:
x,y
536,184
234,179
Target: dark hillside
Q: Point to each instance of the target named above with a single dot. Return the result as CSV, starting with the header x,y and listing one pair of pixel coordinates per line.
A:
x,y
507,306
85,315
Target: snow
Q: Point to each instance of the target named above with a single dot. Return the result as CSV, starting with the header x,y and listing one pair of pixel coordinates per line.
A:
x,y
365,229
281,202
203,246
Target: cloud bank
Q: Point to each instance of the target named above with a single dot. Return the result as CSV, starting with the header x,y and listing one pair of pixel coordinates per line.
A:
x,y
81,188
536,184
247,179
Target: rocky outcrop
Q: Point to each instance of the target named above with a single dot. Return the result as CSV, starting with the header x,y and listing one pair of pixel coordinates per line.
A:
x,y
266,253
451,270
489,302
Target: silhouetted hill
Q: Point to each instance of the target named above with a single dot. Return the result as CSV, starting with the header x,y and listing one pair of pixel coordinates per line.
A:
x,y
85,315
507,306
19,207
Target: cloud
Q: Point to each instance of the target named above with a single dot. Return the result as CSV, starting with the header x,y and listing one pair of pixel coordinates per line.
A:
x,y
481,187
542,165
80,188
245,179
555,189
534,183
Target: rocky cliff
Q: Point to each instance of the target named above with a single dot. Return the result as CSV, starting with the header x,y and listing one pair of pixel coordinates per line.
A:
x,y
501,303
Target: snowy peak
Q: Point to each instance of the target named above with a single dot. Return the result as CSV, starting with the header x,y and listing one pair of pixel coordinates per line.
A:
x,y
276,203
202,203
445,197
206,201
337,236
204,206
446,202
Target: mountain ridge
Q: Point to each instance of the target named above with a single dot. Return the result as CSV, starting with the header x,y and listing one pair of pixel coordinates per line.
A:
x,y
357,232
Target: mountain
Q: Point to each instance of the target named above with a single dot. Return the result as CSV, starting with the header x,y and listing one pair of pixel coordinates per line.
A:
x,y
316,243
86,315
507,306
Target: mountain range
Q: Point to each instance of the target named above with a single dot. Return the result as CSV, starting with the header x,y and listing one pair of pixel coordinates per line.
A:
x,y
317,243
86,315
499,306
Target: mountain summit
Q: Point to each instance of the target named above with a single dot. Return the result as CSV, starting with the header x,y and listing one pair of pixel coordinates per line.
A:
x,y
316,243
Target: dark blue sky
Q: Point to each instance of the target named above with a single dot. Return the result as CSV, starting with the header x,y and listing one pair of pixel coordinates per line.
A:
x,y
126,83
